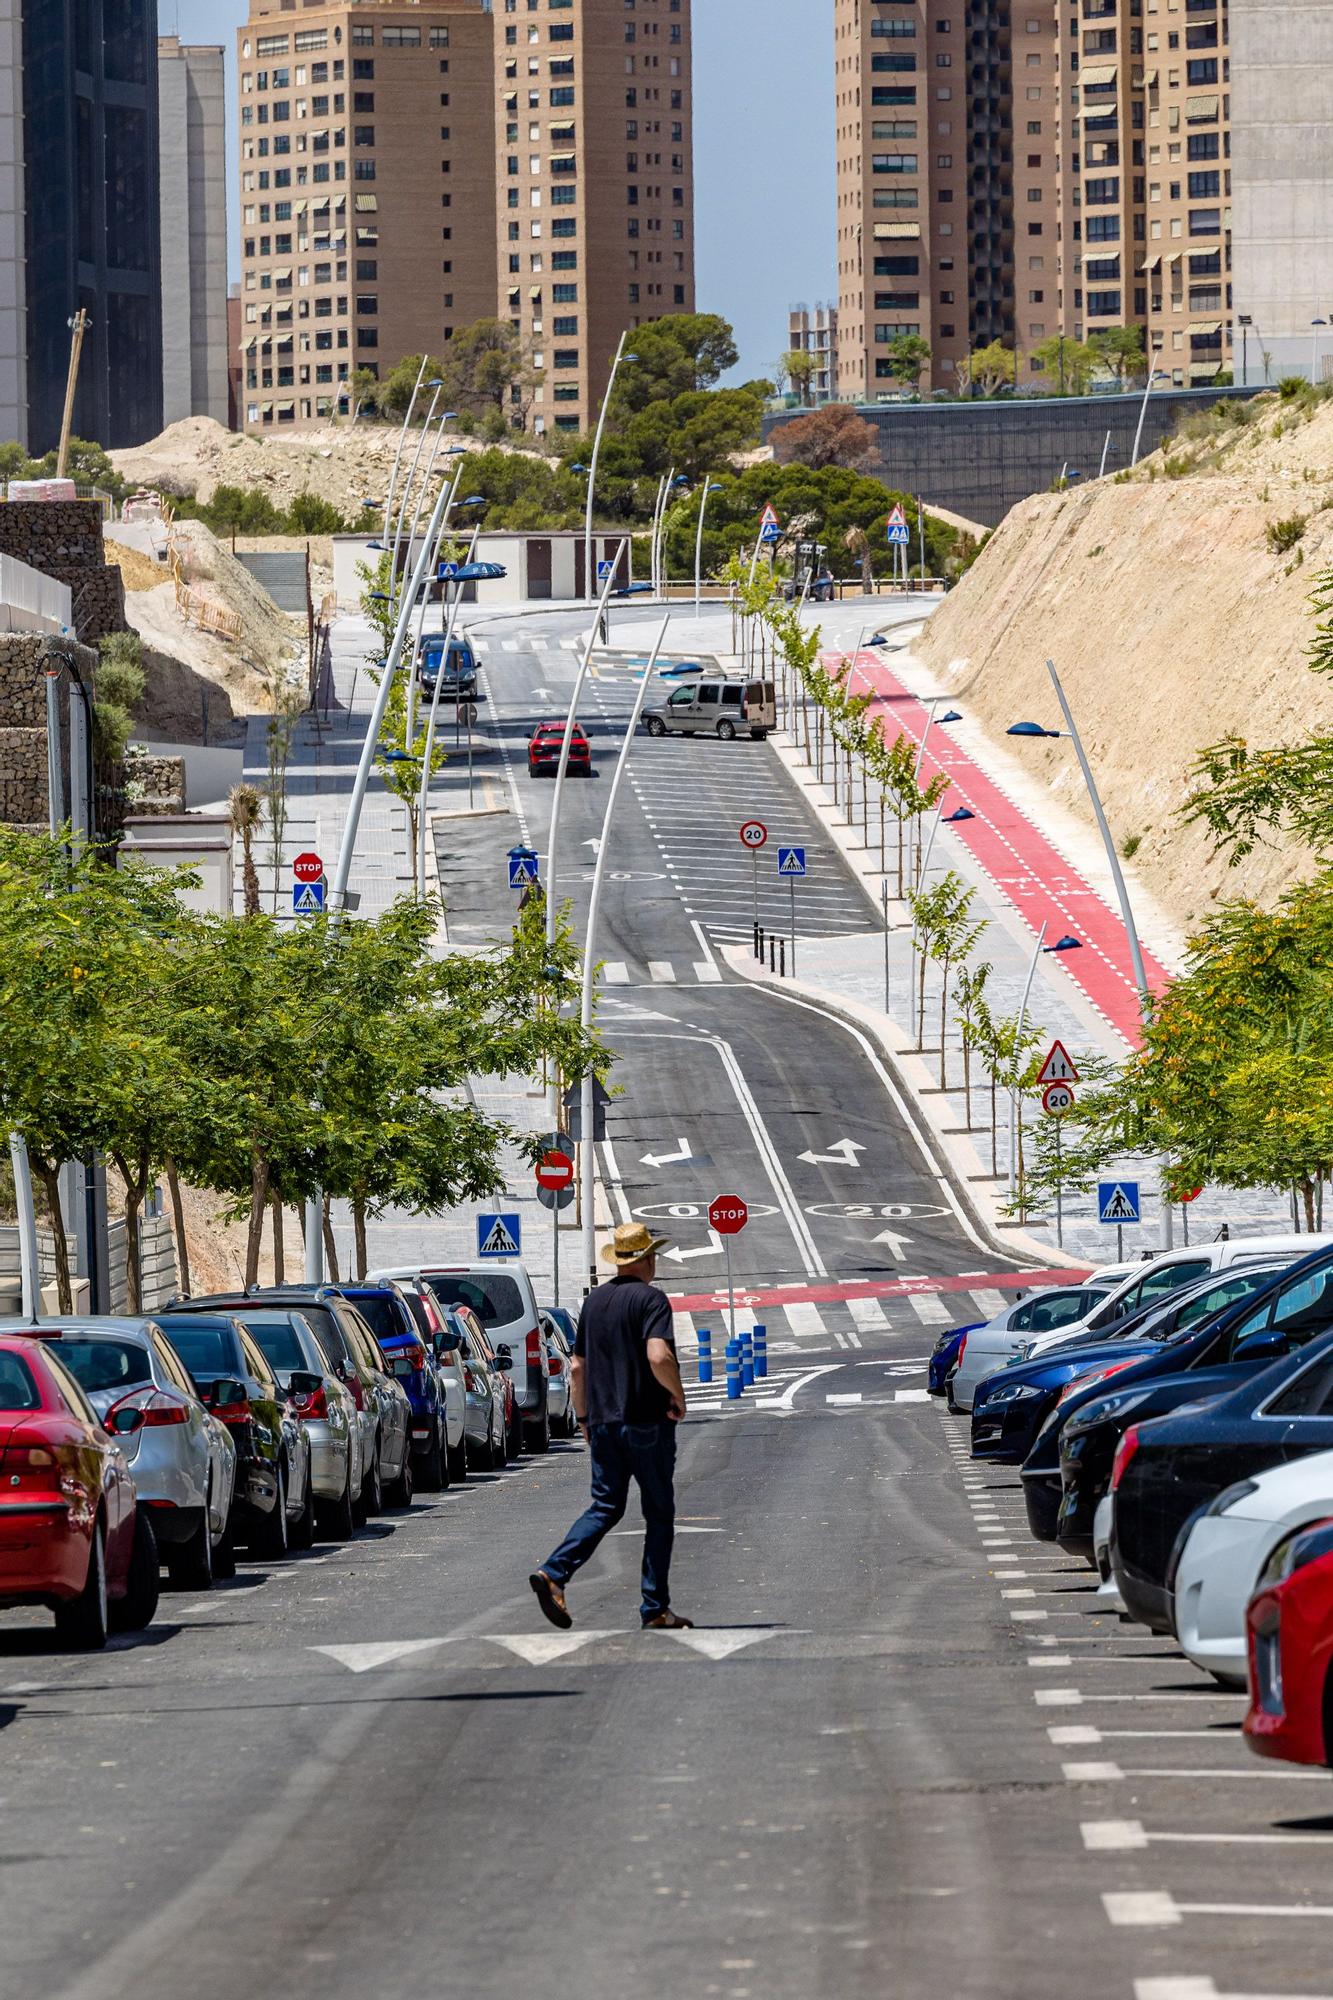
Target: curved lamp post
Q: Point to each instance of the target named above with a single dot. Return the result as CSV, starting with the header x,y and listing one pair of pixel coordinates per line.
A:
x,y
709,486
1154,375
402,439
588,576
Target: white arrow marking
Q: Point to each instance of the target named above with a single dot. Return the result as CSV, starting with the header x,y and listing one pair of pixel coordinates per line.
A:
x,y
545,693
595,844
668,1159
540,1648
842,1153
719,1644
360,1659
713,1248
895,1242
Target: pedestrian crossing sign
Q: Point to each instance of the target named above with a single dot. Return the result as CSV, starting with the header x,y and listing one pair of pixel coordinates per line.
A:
x,y
791,861
1118,1201
308,899
499,1235
522,868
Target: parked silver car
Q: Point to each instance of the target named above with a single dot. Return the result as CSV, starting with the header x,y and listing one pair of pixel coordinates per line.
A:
x,y
181,1458
483,1388
325,1406
559,1331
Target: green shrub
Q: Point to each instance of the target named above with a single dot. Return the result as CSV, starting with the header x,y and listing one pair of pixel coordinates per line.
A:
x,y
1283,535
121,681
1130,845
1291,387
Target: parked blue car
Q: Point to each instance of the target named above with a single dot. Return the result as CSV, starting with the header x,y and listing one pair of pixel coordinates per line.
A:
x,y
945,1356
390,1318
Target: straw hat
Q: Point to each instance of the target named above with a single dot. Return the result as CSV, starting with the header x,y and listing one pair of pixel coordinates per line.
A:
x,y
631,1242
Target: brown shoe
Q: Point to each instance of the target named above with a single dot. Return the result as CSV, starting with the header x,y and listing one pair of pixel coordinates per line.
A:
x,y
551,1599
667,1621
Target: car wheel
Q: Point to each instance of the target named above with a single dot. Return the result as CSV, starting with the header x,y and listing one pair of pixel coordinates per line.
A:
x,y
655,726
337,1518
372,1490
302,1534
399,1491
82,1623
457,1457
190,1563
727,732
537,1435
432,1465
134,1611
270,1537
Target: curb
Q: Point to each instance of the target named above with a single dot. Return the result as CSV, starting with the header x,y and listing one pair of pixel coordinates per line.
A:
x,y
951,1160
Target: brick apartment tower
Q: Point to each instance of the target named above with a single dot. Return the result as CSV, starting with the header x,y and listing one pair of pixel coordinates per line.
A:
x,y
367,144
1146,177
948,218
595,203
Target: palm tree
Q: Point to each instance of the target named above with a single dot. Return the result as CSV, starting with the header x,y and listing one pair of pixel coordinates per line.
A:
x,y
245,809
857,543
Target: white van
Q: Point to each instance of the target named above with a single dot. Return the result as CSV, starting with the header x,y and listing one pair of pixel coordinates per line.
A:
x,y
709,707
991,1346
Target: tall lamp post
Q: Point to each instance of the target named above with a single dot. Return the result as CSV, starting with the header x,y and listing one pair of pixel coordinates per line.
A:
x,y
1315,325
1154,375
1244,321
708,487
402,440
588,575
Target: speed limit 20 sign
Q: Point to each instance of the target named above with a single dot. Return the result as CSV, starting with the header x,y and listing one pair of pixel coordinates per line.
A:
x,y
753,834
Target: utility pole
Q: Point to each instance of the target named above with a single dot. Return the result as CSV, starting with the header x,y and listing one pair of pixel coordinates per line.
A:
x,y
78,326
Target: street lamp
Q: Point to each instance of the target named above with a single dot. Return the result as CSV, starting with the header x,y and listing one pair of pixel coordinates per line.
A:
x,y
708,487
621,355
1315,325
1244,321
435,384
1154,375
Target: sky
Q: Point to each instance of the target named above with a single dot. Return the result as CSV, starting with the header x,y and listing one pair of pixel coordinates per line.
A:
x,y
764,194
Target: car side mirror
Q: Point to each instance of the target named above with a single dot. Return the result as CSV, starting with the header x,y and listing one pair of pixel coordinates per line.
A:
x,y
504,1359
226,1390
1268,1344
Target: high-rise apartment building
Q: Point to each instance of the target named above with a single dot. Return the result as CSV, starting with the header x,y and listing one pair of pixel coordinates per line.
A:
x,y
13,264
595,200
193,180
367,163
1146,178
814,331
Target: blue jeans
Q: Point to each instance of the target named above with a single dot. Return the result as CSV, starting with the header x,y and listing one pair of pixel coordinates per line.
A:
x,y
646,1454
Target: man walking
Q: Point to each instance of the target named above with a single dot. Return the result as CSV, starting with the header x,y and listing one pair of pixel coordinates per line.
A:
x,y
628,1398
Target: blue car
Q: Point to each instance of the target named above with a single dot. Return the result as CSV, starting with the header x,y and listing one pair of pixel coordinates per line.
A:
x,y
390,1318
683,670
945,1355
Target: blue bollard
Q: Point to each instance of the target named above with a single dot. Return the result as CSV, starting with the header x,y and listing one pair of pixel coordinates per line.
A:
x,y
705,1354
760,1353
747,1360
733,1371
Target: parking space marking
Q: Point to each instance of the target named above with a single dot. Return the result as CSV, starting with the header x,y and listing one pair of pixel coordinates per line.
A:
x,y
1188,1987
1122,1835
1157,1908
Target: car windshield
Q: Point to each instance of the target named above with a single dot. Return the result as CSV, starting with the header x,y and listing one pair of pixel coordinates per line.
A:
x,y
206,1346
106,1364
494,1297
380,1312
277,1340
18,1391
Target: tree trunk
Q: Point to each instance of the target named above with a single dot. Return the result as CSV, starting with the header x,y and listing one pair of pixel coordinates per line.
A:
x,y
330,1246
50,1180
249,874
178,1224
994,1129
359,1234
921,999
279,1247
1307,1195
944,1017
1022,1177
255,1230
900,857
136,1187
967,1070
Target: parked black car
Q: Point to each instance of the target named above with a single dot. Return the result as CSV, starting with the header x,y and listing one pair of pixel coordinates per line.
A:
x,y
1168,1471
1181,1334
274,1505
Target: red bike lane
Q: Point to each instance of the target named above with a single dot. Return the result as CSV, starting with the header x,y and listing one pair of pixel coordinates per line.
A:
x,y
1017,857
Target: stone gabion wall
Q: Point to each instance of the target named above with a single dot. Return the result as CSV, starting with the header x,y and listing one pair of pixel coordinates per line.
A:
x,y
155,784
24,657
63,539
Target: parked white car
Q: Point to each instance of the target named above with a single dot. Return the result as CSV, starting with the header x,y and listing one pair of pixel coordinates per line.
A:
x,y
1227,1548
988,1347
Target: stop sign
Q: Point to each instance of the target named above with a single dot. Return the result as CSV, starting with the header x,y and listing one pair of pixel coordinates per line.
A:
x,y
728,1214
555,1171
308,868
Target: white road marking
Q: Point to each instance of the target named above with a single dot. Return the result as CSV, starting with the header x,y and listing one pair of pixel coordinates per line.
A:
x,y
538,1649
615,973
911,1395
868,1314
377,1653
803,1318
930,1310
721,1642
1141,1908
788,1397
1092,1774
1187,1987
853,1398
661,971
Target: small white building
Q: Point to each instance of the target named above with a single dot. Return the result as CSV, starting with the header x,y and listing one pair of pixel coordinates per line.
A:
x,y
201,841
540,568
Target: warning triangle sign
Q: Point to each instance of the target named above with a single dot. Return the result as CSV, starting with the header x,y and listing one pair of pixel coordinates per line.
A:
x,y
1120,1208
497,1241
1058,1068
897,519
768,518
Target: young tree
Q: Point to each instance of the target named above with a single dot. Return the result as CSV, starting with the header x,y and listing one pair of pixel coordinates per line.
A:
x,y
488,366
801,367
245,812
989,369
1120,348
1068,364
969,996
908,355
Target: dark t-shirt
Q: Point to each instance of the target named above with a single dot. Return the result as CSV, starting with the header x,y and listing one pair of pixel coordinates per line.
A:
x,y
617,1322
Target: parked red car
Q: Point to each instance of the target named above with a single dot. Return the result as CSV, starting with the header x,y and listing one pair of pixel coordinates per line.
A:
x,y
1290,1622
71,1535
544,750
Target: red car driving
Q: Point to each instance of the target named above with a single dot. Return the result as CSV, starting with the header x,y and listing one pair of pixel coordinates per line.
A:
x,y
544,750
71,1535
1290,1631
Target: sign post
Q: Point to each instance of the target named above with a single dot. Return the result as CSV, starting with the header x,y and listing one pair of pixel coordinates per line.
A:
x,y
791,867
753,835
1058,1101
728,1215
555,1189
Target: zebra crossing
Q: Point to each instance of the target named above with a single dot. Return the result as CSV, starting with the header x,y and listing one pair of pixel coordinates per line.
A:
x,y
661,972
800,1327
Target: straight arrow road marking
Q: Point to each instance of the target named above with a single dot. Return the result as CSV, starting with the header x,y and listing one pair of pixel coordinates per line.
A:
x,y
377,1653
539,1649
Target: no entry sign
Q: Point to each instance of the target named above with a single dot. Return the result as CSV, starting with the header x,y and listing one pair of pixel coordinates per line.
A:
x,y
728,1214
555,1171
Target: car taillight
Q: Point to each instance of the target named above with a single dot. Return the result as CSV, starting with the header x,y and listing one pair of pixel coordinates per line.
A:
x,y
233,1413
557,1363
433,1320
962,1347
1125,1451
28,1468
314,1405
533,1348
152,1411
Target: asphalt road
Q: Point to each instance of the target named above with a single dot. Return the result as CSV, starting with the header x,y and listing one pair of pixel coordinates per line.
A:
x,y
901,1753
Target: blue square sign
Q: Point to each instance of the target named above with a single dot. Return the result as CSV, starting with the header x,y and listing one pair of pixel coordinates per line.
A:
x,y
791,862
499,1235
1118,1201
308,898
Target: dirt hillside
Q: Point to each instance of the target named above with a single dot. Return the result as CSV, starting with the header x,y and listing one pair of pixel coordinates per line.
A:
x,y
1171,620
